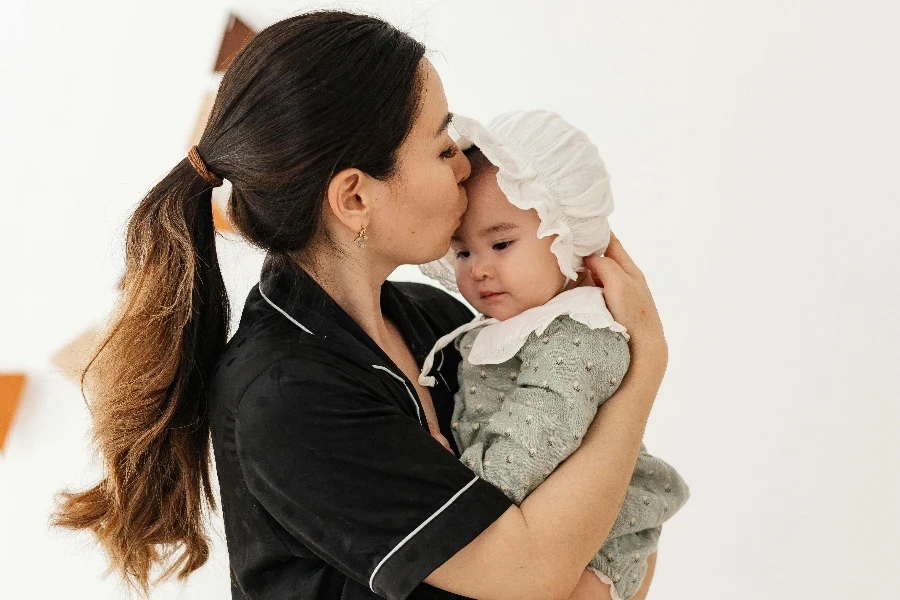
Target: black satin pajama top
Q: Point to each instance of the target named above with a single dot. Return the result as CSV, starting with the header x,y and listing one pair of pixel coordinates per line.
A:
x,y
331,484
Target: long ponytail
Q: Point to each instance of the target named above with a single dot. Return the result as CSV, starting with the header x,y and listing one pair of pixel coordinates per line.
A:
x,y
148,383
306,98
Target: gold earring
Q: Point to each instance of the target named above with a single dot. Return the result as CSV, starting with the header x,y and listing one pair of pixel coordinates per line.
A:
x,y
362,237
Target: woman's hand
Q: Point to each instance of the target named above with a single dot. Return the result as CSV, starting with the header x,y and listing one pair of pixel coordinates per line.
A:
x,y
590,588
629,300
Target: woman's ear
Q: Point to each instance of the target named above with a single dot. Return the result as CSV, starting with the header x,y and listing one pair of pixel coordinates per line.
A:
x,y
349,198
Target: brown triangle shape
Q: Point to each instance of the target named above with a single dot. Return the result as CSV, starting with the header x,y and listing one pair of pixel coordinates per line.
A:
x,y
237,34
74,357
11,385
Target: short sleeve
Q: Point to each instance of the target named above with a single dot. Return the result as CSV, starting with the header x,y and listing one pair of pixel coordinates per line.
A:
x,y
355,479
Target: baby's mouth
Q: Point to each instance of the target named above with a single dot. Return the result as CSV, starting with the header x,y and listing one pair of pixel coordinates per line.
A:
x,y
491,295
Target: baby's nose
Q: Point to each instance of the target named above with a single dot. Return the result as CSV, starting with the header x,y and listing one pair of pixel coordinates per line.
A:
x,y
482,270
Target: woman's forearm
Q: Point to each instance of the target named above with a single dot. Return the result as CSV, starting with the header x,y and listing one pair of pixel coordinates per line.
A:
x,y
641,594
598,473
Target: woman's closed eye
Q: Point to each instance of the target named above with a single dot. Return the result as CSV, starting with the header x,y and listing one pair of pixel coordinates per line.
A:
x,y
450,152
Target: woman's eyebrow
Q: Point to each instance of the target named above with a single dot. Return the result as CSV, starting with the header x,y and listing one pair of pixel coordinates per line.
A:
x,y
444,124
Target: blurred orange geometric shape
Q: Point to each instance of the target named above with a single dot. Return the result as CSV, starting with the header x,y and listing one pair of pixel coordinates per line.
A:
x,y
74,357
237,35
220,221
11,385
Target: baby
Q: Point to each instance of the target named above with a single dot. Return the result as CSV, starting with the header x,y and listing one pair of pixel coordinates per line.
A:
x,y
545,351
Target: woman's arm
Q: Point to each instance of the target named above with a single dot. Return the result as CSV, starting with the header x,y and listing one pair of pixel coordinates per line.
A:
x,y
641,594
539,549
591,588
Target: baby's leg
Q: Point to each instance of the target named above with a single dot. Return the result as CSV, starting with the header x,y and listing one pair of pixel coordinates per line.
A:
x,y
590,588
648,577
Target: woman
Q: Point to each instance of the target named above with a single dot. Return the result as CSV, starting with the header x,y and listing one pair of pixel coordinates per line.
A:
x,y
333,463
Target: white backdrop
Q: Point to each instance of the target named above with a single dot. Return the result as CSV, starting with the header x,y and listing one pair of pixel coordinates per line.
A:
x,y
753,149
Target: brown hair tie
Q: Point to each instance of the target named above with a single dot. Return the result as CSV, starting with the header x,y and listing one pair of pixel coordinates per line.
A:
x,y
200,167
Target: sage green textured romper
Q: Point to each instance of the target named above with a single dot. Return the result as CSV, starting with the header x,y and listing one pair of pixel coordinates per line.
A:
x,y
514,422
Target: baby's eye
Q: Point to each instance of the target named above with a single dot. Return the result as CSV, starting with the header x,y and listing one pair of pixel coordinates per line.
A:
x,y
462,254
502,245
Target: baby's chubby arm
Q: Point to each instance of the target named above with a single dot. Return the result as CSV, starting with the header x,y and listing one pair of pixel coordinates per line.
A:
x,y
566,374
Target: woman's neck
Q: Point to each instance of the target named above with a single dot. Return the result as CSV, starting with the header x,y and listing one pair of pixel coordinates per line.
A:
x,y
353,283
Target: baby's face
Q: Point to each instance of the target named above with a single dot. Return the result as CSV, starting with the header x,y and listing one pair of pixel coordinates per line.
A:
x,y
502,268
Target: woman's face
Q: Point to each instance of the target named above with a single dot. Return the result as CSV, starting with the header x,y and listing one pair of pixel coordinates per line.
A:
x,y
423,203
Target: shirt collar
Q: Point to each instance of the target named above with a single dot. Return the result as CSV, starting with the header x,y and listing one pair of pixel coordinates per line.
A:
x,y
501,340
292,291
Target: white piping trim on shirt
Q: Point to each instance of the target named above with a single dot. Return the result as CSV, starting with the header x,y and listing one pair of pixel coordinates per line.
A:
x,y
439,369
418,529
400,379
278,308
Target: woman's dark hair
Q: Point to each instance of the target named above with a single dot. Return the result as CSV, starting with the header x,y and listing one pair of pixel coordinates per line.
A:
x,y
306,98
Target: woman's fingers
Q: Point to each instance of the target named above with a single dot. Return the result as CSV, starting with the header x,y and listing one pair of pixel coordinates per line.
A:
x,y
627,296
617,252
602,269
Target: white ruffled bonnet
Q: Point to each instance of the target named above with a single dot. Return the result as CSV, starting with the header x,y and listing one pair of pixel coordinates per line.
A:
x,y
546,164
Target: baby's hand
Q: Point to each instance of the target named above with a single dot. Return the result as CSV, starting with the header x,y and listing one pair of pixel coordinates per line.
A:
x,y
440,438
436,434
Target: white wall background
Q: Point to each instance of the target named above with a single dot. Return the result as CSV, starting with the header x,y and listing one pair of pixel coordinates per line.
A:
x,y
754,151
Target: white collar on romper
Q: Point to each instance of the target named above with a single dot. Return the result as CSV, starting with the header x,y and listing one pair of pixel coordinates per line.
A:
x,y
499,341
